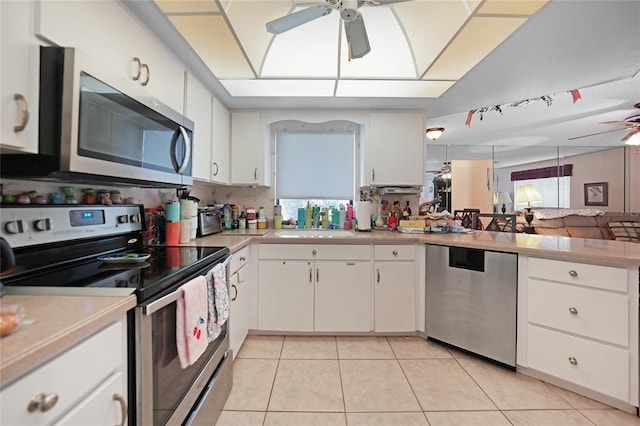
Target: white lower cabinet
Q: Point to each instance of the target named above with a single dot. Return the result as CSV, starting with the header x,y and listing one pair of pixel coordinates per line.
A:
x,y
239,286
87,384
342,296
285,295
394,288
296,294
582,326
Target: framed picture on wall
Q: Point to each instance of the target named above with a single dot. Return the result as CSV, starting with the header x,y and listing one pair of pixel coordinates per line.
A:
x,y
596,194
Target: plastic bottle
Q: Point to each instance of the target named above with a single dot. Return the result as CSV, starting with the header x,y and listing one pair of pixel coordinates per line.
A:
x,y
242,221
227,216
324,215
307,215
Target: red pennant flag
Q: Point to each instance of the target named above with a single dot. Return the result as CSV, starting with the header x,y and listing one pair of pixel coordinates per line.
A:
x,y
575,94
469,117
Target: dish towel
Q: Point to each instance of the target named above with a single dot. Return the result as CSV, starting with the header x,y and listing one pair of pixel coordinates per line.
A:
x,y
218,300
191,321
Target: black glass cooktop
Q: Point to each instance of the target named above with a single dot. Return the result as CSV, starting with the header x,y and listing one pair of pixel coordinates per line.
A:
x,y
65,267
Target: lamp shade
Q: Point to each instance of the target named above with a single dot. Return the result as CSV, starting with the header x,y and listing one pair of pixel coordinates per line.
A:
x,y
434,133
504,198
528,194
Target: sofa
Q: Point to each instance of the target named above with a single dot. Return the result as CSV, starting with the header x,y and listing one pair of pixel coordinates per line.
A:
x,y
587,223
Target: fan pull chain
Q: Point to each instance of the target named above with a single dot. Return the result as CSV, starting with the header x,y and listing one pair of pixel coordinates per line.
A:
x,y
349,43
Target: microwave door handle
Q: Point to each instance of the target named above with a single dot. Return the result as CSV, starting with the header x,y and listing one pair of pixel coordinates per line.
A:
x,y
180,168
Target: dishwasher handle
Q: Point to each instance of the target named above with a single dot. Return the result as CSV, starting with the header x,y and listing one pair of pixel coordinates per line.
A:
x,y
466,258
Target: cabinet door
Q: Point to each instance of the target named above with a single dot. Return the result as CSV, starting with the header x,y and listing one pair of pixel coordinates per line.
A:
x,y
247,149
285,295
396,151
343,296
100,407
107,32
395,286
198,109
19,70
221,128
239,318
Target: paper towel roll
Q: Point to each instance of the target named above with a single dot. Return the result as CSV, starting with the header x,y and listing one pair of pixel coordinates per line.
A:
x,y
363,215
185,209
185,230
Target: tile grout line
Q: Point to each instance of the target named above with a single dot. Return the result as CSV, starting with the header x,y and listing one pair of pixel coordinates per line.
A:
x,y
273,382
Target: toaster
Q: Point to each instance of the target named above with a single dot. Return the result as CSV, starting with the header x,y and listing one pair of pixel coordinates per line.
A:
x,y
209,222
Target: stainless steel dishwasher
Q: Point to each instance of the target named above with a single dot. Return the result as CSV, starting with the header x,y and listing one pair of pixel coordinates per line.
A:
x,y
471,298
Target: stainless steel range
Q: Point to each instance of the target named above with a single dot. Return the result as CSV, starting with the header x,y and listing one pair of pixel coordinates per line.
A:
x,y
56,248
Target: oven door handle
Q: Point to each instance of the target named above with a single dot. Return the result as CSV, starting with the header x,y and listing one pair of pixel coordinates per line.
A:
x,y
174,296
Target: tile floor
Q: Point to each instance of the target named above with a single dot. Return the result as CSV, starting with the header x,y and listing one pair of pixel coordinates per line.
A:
x,y
395,381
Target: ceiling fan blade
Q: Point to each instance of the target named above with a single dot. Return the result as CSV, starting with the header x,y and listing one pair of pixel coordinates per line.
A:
x,y
598,133
383,2
296,19
357,37
619,123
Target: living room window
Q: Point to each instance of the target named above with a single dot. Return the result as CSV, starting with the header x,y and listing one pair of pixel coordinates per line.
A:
x,y
316,167
555,192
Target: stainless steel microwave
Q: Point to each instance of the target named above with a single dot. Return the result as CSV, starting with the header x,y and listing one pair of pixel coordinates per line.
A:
x,y
96,126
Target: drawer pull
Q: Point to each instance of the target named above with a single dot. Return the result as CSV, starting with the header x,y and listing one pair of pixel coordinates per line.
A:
x,y
138,73
395,252
314,252
242,258
42,402
573,311
378,272
573,273
235,292
573,361
123,407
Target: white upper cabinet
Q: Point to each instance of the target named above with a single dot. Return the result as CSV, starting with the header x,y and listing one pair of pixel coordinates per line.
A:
x,y
221,133
107,32
198,109
248,150
18,78
396,151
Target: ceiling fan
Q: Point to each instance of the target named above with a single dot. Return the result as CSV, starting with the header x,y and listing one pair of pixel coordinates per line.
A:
x,y
353,23
630,123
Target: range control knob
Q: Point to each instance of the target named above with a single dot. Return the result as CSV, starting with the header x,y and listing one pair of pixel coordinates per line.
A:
x,y
123,218
42,224
135,218
15,226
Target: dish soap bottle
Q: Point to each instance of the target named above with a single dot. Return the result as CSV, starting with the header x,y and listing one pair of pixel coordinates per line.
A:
x,y
307,215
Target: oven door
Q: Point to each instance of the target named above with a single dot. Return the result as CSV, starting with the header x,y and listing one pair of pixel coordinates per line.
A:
x,y
165,392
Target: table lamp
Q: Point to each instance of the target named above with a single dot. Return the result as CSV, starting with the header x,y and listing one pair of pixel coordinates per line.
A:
x,y
504,198
528,194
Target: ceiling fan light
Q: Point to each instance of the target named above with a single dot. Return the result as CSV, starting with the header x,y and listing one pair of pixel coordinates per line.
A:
x,y
633,140
434,133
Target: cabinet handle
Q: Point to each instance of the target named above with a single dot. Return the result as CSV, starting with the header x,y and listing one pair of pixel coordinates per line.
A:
x,y
314,252
24,106
378,273
318,275
123,407
217,169
146,81
242,258
573,311
373,175
310,275
42,402
488,183
235,294
395,252
255,174
573,273
138,62
573,361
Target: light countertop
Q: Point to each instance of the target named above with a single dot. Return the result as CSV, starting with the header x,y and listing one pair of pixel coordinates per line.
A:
x,y
605,252
59,322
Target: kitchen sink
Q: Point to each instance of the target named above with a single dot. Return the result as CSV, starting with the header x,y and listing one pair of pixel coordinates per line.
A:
x,y
314,233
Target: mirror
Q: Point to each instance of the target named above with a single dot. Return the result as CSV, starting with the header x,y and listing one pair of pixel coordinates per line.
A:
x,y
565,175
